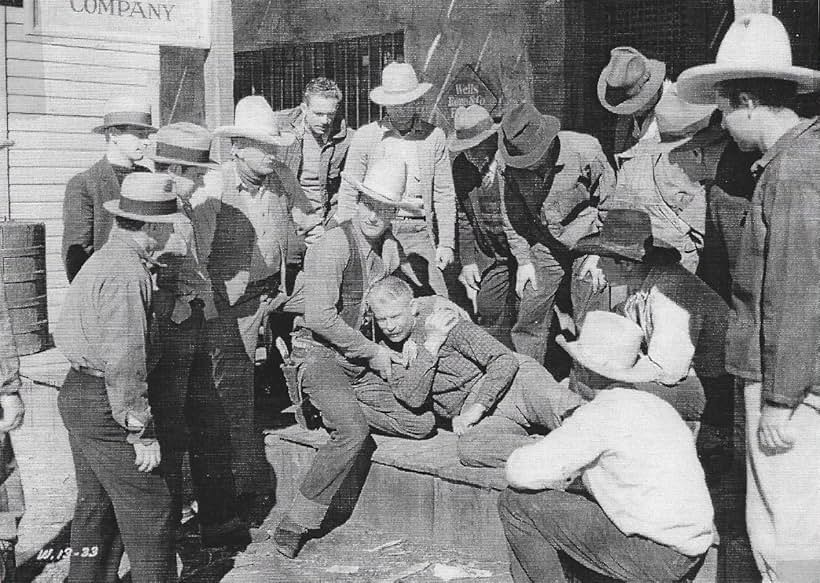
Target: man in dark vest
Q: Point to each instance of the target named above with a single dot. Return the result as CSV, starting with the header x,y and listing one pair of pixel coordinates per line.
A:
x,y
336,347
126,126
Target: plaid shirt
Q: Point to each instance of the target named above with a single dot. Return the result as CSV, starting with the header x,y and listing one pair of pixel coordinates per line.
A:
x,y
469,355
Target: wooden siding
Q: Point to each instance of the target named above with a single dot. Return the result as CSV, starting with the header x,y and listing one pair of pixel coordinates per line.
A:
x,y
56,89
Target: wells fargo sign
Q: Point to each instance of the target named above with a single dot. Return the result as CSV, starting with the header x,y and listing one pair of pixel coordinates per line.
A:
x,y
466,89
163,22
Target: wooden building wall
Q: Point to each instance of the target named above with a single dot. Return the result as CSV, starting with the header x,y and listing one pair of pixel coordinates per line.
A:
x,y
55,89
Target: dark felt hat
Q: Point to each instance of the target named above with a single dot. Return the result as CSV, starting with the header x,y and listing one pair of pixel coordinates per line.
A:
x,y
626,233
526,135
629,81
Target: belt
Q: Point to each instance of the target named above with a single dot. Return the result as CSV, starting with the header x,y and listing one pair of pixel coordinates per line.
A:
x,y
403,218
92,372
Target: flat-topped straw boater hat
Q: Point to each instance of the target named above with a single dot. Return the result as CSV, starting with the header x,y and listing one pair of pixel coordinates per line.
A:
x,y
147,197
125,110
184,143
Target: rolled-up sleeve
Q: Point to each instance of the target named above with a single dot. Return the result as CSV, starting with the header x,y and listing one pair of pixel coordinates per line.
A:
x,y
790,303
124,309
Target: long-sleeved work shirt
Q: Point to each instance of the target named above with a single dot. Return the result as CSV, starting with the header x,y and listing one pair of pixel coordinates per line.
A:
x,y
774,329
104,325
470,362
542,210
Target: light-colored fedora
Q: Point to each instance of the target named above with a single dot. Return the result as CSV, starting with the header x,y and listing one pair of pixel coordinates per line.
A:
x,y
472,126
678,122
384,181
183,143
629,81
147,197
125,110
755,46
255,119
609,345
399,85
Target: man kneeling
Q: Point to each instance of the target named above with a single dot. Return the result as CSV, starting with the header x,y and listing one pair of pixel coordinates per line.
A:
x,y
649,517
494,397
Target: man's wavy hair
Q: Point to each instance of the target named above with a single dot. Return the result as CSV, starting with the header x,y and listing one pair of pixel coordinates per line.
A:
x,y
323,87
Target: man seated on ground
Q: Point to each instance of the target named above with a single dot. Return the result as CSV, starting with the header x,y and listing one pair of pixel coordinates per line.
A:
x,y
649,516
683,319
494,397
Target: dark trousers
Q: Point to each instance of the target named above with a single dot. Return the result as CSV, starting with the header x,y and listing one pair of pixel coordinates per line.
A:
x,y
530,334
497,302
113,498
189,417
328,382
543,528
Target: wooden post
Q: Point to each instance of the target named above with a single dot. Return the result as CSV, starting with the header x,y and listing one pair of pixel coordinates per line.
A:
x,y
219,74
5,191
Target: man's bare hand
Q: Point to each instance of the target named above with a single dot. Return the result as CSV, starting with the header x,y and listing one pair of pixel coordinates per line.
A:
x,y
439,323
382,363
147,456
444,257
13,412
469,417
774,432
525,274
591,272
409,352
470,277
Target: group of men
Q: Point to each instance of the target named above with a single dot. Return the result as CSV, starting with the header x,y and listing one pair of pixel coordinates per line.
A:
x,y
176,269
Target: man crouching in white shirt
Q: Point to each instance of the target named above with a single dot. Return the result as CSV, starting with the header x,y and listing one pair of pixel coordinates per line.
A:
x,y
649,516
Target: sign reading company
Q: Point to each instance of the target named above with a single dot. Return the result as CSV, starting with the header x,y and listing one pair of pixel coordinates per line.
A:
x,y
163,22
467,89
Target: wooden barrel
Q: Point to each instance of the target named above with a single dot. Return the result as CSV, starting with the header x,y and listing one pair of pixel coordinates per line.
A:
x,y
23,271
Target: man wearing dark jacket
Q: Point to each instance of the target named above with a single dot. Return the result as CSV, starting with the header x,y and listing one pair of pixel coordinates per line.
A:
x,y
126,125
318,155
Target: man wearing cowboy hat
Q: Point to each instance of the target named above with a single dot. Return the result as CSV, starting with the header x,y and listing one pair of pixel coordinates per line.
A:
x,y
426,231
645,513
336,345
649,181
318,155
630,86
553,181
187,410
245,211
487,262
683,318
126,126
774,330
103,331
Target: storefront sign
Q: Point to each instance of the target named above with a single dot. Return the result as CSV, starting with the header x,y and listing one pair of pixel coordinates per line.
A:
x,y
466,89
163,22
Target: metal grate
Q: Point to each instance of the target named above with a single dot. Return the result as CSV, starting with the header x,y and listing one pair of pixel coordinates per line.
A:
x,y
280,73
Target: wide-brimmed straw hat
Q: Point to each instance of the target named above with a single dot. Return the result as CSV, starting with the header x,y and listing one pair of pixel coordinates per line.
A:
x,y
255,119
384,181
399,85
609,345
526,135
125,110
147,197
184,143
472,125
756,46
626,233
629,81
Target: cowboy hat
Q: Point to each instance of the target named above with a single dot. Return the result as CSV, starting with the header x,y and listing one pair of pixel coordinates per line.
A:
x,y
183,143
755,46
678,122
399,85
609,345
629,81
526,135
472,126
147,197
626,233
384,181
254,119
125,110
